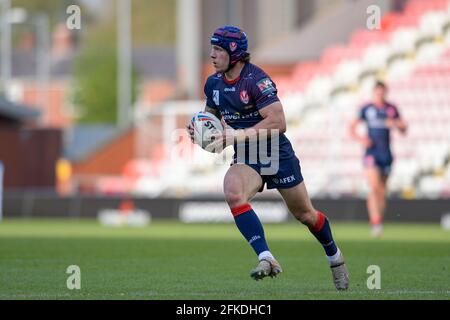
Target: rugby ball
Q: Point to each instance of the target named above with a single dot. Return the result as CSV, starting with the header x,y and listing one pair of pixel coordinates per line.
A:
x,y
206,126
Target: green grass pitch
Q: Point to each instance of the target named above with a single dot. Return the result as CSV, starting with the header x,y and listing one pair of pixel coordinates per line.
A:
x,y
170,260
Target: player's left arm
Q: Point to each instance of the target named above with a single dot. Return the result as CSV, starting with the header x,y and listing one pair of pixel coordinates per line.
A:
x,y
274,120
395,121
399,124
264,94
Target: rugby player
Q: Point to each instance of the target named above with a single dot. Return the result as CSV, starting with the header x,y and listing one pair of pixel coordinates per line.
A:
x,y
380,117
245,98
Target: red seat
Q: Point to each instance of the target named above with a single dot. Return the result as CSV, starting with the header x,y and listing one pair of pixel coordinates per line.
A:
x,y
404,21
363,38
284,85
389,20
360,39
333,55
304,71
419,7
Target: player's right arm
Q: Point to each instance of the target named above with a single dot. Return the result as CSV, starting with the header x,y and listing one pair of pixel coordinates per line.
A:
x,y
362,139
214,111
208,108
395,121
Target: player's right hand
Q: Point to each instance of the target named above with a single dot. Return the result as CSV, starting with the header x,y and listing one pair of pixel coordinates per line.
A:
x,y
190,131
366,142
223,139
390,123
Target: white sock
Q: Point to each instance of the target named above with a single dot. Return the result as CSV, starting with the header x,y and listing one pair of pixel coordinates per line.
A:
x,y
377,227
334,258
264,255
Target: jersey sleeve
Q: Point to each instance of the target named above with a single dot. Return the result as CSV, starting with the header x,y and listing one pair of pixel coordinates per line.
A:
x,y
209,95
392,112
264,91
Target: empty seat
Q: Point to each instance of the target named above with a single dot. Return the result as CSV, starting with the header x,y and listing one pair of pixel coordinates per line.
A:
x,y
432,24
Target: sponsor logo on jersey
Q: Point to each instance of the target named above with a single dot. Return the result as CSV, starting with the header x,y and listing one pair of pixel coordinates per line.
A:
x,y
216,97
244,96
238,116
233,89
233,46
391,112
265,86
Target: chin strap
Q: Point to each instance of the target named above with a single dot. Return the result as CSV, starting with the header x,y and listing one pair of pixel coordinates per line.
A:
x,y
231,65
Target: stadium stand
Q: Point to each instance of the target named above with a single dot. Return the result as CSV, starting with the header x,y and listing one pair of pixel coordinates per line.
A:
x,y
411,53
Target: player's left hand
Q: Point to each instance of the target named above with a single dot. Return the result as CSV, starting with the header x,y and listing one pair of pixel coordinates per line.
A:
x,y
390,123
227,138
190,131
221,141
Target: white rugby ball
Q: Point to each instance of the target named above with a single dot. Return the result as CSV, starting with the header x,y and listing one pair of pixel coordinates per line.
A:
x,y
206,127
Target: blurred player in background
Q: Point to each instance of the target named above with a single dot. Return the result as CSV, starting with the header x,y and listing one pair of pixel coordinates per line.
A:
x,y
245,98
380,117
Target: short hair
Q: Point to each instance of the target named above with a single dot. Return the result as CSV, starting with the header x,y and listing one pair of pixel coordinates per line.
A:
x,y
380,84
246,58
